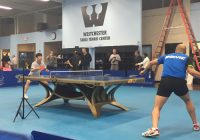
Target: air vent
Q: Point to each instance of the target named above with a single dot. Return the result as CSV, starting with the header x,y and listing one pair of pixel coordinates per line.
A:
x,y
42,26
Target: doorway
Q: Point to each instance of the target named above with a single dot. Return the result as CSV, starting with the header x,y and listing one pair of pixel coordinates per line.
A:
x,y
170,47
147,49
56,47
26,52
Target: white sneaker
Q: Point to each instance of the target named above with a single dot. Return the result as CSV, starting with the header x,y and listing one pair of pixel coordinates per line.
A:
x,y
25,96
152,132
196,127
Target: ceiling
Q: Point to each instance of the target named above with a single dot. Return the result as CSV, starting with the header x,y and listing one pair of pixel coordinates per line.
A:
x,y
54,7
25,7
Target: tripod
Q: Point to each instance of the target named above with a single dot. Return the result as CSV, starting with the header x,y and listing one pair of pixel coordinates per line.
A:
x,y
21,108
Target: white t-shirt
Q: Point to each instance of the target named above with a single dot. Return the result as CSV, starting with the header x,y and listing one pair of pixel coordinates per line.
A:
x,y
36,65
145,62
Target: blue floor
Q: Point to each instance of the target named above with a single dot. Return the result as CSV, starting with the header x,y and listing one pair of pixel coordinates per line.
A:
x,y
75,120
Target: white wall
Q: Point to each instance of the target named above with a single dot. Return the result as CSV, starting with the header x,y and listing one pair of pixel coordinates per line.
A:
x,y
36,37
195,19
152,24
122,23
5,42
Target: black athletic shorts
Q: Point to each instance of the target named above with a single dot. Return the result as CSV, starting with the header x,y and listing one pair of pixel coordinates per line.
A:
x,y
172,84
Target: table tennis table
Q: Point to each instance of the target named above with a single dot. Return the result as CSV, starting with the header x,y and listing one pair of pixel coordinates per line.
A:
x,y
95,90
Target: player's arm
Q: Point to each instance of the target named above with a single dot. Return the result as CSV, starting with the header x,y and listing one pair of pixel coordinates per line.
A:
x,y
44,67
33,69
36,68
151,63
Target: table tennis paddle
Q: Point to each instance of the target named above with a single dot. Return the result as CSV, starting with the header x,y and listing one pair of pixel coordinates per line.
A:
x,y
42,68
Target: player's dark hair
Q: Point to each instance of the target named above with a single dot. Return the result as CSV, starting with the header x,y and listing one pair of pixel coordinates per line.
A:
x,y
38,54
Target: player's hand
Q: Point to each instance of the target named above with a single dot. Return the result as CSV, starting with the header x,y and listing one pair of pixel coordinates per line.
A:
x,y
37,68
136,65
142,72
47,70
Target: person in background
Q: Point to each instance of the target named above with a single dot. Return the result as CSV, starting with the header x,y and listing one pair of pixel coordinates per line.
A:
x,y
14,62
5,59
85,59
75,61
36,67
26,65
142,65
51,61
175,66
7,67
137,59
114,59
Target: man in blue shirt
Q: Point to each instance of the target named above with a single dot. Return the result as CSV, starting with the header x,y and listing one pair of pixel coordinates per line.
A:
x,y
175,66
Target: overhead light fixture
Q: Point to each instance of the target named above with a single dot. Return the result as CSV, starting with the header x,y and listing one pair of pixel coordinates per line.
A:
x,y
5,7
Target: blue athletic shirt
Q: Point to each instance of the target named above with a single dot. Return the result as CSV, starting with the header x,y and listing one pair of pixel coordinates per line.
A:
x,y
174,65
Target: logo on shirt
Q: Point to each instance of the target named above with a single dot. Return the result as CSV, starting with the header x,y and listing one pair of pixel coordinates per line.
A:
x,y
175,57
94,15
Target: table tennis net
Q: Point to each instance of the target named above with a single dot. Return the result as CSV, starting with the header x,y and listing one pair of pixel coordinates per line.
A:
x,y
81,73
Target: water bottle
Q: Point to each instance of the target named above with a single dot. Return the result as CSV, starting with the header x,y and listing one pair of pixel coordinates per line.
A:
x,y
149,74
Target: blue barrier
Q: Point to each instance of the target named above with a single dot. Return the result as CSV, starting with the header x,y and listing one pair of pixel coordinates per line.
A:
x,y
148,76
44,136
35,135
5,135
9,78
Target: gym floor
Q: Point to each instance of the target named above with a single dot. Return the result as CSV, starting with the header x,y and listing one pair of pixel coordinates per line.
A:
x,y
75,120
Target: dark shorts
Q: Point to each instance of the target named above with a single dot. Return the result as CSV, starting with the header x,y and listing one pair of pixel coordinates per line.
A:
x,y
172,84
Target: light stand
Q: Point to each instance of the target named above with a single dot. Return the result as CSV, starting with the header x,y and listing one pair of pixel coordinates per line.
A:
x,y
21,108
